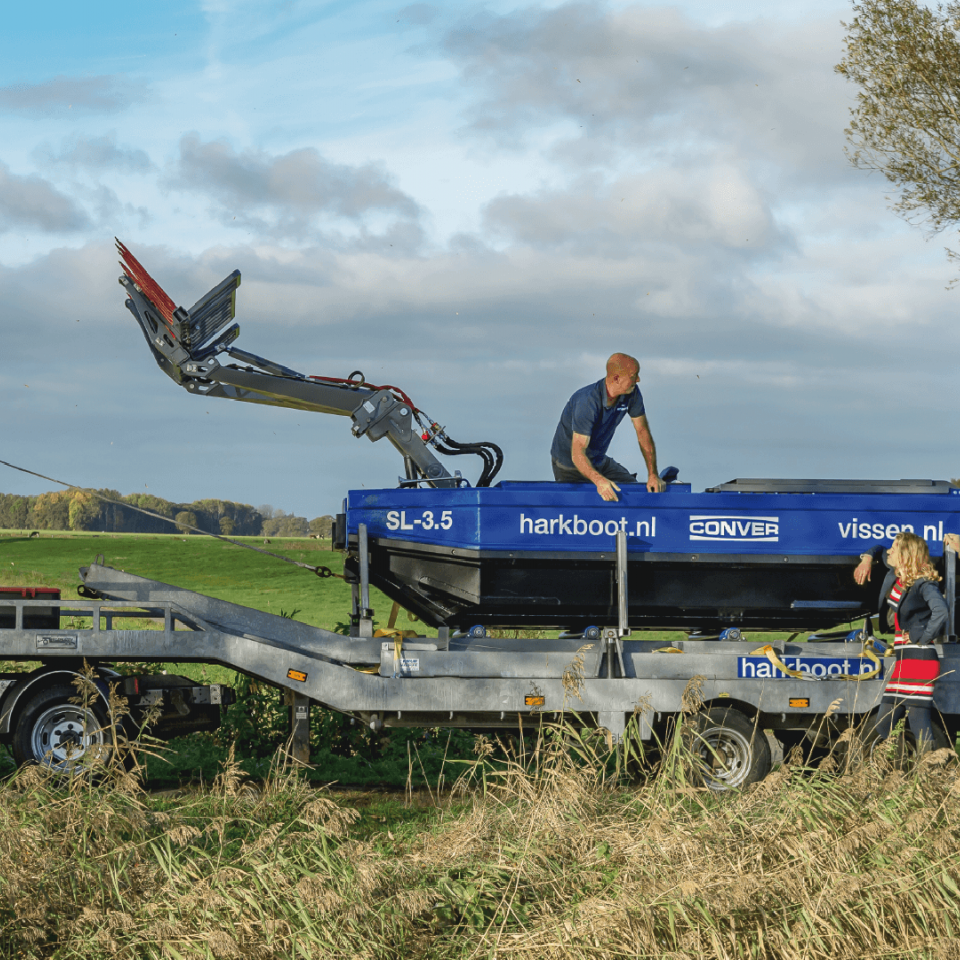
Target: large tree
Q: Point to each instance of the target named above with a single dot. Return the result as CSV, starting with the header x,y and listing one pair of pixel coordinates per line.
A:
x,y
905,58
84,510
186,519
51,511
322,526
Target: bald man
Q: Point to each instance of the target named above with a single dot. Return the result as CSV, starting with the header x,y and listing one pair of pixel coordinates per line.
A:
x,y
587,425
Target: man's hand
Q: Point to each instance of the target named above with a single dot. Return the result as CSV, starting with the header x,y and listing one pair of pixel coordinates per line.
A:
x,y
655,484
952,540
606,488
906,635
862,573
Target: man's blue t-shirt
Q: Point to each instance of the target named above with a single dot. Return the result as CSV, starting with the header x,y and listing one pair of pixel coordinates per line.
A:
x,y
587,413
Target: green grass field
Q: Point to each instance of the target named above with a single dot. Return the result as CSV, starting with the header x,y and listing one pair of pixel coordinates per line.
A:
x,y
198,563
230,573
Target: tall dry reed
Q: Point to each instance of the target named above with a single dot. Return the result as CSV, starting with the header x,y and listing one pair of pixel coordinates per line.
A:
x,y
549,853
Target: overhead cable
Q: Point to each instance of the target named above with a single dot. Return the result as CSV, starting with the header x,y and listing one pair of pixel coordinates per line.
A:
x,y
320,571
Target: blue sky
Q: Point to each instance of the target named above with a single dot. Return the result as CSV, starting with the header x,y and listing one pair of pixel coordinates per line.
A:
x,y
477,203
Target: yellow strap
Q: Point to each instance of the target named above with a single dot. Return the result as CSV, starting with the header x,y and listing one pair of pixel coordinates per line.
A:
x,y
390,632
771,654
872,657
398,637
394,613
767,651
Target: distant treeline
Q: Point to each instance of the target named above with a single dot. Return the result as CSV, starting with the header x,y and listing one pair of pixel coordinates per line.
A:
x,y
81,510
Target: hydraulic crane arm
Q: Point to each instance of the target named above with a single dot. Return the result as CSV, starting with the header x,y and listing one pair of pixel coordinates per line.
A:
x,y
186,343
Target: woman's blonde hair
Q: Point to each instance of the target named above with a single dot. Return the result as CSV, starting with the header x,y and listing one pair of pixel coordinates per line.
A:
x,y
913,557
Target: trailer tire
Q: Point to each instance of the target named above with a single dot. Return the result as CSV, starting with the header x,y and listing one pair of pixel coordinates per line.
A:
x,y
903,752
53,732
730,750
790,739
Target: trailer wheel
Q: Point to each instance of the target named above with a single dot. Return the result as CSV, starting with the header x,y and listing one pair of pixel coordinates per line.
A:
x,y
903,751
66,736
789,739
730,750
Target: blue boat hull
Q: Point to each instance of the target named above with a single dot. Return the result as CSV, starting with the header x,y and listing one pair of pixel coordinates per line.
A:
x,y
542,555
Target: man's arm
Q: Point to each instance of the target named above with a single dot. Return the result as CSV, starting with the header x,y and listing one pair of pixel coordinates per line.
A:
x,y
578,453
649,451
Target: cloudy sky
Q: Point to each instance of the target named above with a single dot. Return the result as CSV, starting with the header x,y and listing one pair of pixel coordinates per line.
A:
x,y
477,203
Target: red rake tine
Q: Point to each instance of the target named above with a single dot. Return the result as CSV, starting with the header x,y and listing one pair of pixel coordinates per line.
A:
x,y
148,286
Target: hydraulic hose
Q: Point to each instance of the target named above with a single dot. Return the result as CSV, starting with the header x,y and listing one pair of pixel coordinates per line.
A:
x,y
485,455
489,452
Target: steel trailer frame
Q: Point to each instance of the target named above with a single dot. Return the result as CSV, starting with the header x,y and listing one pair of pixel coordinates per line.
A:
x,y
469,682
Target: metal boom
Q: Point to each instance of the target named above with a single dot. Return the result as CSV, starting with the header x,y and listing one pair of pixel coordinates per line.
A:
x,y
185,344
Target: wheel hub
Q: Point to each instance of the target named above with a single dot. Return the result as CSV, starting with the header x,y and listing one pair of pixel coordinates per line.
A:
x,y
726,756
66,735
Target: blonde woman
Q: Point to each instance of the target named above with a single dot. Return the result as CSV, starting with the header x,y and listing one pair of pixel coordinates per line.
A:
x,y
919,613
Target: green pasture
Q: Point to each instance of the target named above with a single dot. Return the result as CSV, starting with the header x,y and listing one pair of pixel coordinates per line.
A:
x,y
228,572
198,563
201,564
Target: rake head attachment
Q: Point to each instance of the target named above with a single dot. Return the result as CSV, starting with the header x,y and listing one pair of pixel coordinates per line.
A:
x,y
177,335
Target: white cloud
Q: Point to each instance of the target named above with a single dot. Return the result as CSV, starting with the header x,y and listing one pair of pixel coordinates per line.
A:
x,y
96,153
710,205
651,81
32,202
286,194
65,96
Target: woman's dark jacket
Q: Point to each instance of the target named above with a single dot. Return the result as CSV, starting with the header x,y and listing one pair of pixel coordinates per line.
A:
x,y
922,612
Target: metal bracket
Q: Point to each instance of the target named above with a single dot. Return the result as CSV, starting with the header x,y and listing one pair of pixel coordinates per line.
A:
x,y
299,725
613,645
615,723
365,614
623,623
613,648
458,480
950,588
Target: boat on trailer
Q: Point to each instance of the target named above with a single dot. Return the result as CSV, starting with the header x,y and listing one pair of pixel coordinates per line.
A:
x,y
756,554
